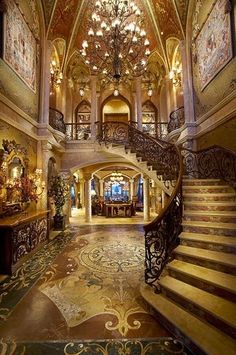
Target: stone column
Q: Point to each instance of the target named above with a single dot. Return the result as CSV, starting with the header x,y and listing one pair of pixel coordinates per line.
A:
x,y
45,84
81,190
87,198
67,206
93,81
139,102
101,189
46,154
146,209
131,188
187,83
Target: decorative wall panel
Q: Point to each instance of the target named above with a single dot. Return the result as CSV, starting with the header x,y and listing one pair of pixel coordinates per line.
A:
x,y
20,46
213,44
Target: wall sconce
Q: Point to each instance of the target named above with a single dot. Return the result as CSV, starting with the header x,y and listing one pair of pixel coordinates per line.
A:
x,y
116,92
81,92
56,74
175,74
149,91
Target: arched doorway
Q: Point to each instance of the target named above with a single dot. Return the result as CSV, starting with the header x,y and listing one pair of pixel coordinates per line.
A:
x,y
116,109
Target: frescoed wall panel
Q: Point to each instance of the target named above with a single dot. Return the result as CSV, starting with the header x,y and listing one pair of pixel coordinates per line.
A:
x,y
213,44
20,45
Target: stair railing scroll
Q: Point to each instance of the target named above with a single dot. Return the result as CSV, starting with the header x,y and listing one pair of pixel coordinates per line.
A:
x,y
215,162
161,235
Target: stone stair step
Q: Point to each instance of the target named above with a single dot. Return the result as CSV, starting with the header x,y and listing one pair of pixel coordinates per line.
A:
x,y
196,333
202,182
209,241
208,189
216,260
209,206
230,196
214,309
210,216
216,282
226,229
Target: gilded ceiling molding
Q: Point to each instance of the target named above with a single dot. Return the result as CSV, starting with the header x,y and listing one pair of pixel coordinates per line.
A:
x,y
151,11
181,3
51,16
48,6
73,36
182,9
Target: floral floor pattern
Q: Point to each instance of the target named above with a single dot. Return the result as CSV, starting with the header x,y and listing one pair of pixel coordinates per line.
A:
x,y
82,285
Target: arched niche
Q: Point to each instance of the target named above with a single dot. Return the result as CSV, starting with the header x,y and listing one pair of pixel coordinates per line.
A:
x,y
116,108
82,121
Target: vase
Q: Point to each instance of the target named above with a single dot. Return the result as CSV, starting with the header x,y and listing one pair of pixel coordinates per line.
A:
x,y
59,222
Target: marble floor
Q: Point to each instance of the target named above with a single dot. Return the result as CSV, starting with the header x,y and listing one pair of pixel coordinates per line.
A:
x,y
89,289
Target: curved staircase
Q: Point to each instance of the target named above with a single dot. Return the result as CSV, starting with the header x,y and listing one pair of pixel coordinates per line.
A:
x,y
190,247
198,287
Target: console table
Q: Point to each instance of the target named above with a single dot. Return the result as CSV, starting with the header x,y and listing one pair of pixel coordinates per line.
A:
x,y
21,235
112,209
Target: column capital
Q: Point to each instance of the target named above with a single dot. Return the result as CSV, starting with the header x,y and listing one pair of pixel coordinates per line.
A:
x,y
87,176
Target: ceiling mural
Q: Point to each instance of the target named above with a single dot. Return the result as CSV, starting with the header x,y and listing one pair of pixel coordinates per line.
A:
x,y
182,7
63,19
165,13
47,8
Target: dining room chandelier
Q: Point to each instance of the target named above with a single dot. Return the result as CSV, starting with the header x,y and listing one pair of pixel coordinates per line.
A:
x,y
116,45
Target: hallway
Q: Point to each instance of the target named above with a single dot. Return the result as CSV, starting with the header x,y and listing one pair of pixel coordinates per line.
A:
x,y
83,285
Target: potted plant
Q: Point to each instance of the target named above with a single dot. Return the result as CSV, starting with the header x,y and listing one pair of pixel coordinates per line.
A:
x,y
58,191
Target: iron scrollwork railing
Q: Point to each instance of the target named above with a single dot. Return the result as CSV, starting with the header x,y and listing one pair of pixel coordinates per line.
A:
x,y
56,120
161,235
214,162
177,119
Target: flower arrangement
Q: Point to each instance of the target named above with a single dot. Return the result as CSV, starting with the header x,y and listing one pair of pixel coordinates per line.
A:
x,y
59,192
25,188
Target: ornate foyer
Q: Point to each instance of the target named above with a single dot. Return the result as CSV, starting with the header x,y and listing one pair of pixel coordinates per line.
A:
x,y
117,177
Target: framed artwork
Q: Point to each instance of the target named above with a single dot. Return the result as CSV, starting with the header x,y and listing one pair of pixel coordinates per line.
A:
x,y
19,45
214,43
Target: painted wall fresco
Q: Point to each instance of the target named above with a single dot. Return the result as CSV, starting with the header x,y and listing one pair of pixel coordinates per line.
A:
x,y
20,45
11,133
213,44
223,84
11,84
218,136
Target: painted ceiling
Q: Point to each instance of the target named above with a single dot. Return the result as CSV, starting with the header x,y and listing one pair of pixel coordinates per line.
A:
x,y
165,20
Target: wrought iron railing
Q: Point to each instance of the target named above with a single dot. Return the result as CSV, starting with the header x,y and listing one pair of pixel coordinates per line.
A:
x,y
214,162
56,120
177,119
161,235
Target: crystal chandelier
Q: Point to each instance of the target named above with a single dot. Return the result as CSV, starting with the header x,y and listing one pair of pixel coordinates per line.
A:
x,y
116,45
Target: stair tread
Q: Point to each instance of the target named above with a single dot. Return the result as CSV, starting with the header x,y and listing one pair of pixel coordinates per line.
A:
x,y
197,180
211,203
210,224
210,213
208,194
217,306
213,277
211,255
216,239
206,186
216,342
